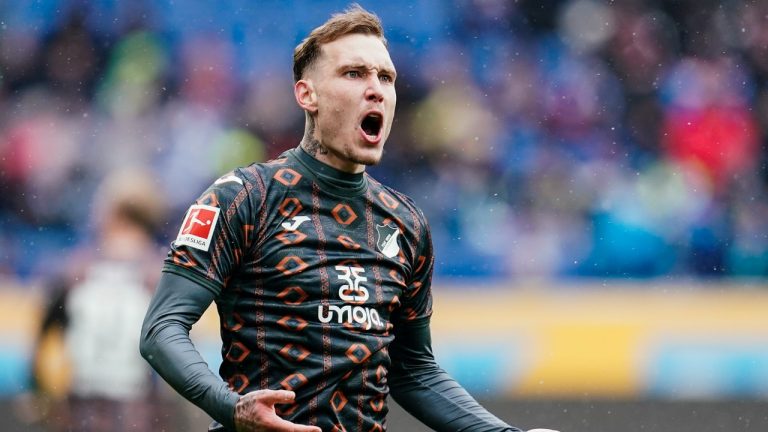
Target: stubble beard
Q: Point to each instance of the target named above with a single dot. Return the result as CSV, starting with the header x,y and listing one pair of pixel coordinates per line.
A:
x,y
314,147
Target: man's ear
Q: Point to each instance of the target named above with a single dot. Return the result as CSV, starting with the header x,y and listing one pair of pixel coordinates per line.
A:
x,y
306,96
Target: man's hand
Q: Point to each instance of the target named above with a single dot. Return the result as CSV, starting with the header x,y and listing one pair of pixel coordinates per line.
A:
x,y
255,412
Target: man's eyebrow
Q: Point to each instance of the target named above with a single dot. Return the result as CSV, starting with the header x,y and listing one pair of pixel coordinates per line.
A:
x,y
389,70
352,65
364,67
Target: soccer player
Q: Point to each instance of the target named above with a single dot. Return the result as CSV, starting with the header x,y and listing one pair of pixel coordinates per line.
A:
x,y
93,314
321,274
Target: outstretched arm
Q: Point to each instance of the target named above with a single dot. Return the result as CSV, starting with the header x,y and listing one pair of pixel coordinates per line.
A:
x,y
427,392
416,381
165,344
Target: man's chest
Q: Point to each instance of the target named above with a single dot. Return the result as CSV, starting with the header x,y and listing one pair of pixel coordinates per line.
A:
x,y
344,260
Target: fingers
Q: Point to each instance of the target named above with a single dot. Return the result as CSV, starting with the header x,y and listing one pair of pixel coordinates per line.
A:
x,y
302,428
272,397
256,412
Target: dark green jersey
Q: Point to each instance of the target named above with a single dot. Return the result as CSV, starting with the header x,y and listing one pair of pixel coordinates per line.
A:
x,y
312,268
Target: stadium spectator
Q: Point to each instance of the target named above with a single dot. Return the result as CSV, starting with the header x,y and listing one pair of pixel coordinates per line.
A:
x,y
579,85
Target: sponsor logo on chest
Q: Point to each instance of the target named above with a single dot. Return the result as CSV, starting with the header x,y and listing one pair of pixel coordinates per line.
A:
x,y
355,294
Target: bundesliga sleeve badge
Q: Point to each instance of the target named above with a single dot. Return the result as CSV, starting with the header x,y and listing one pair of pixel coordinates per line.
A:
x,y
198,226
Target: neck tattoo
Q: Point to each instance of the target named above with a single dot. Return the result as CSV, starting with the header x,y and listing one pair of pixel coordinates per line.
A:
x,y
312,145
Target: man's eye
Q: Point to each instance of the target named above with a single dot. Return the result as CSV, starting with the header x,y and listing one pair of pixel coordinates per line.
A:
x,y
353,74
386,78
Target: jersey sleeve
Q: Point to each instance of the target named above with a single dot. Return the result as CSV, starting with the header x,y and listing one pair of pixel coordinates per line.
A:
x,y
426,391
417,296
216,232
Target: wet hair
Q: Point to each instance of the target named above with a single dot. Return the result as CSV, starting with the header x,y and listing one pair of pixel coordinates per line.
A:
x,y
354,20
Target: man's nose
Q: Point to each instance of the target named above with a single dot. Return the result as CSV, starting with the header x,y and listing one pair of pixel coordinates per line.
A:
x,y
374,92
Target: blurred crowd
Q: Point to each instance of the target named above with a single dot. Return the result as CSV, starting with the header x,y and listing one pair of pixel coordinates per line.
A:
x,y
543,139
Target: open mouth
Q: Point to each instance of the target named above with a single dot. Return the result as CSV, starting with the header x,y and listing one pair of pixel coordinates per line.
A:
x,y
371,125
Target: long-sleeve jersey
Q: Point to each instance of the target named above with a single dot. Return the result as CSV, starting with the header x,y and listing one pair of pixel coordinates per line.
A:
x,y
314,273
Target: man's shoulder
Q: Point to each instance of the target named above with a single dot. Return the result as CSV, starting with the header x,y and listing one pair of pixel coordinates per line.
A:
x,y
260,169
392,198
252,181
281,169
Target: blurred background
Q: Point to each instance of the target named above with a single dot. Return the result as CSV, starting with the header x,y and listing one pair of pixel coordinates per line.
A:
x,y
594,173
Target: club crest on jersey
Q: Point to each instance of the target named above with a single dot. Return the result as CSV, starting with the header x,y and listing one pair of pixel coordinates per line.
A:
x,y
387,242
198,226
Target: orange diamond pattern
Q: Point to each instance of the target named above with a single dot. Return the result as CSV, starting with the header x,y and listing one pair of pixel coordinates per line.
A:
x,y
291,265
290,207
233,322
396,276
287,176
377,403
388,200
292,323
295,353
394,303
238,382
358,353
237,352
293,295
293,381
291,237
338,400
343,214
348,242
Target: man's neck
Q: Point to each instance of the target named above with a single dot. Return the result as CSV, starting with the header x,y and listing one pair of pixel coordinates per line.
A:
x,y
332,179
313,146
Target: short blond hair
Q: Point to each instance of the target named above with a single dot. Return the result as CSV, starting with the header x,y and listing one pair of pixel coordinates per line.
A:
x,y
354,20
